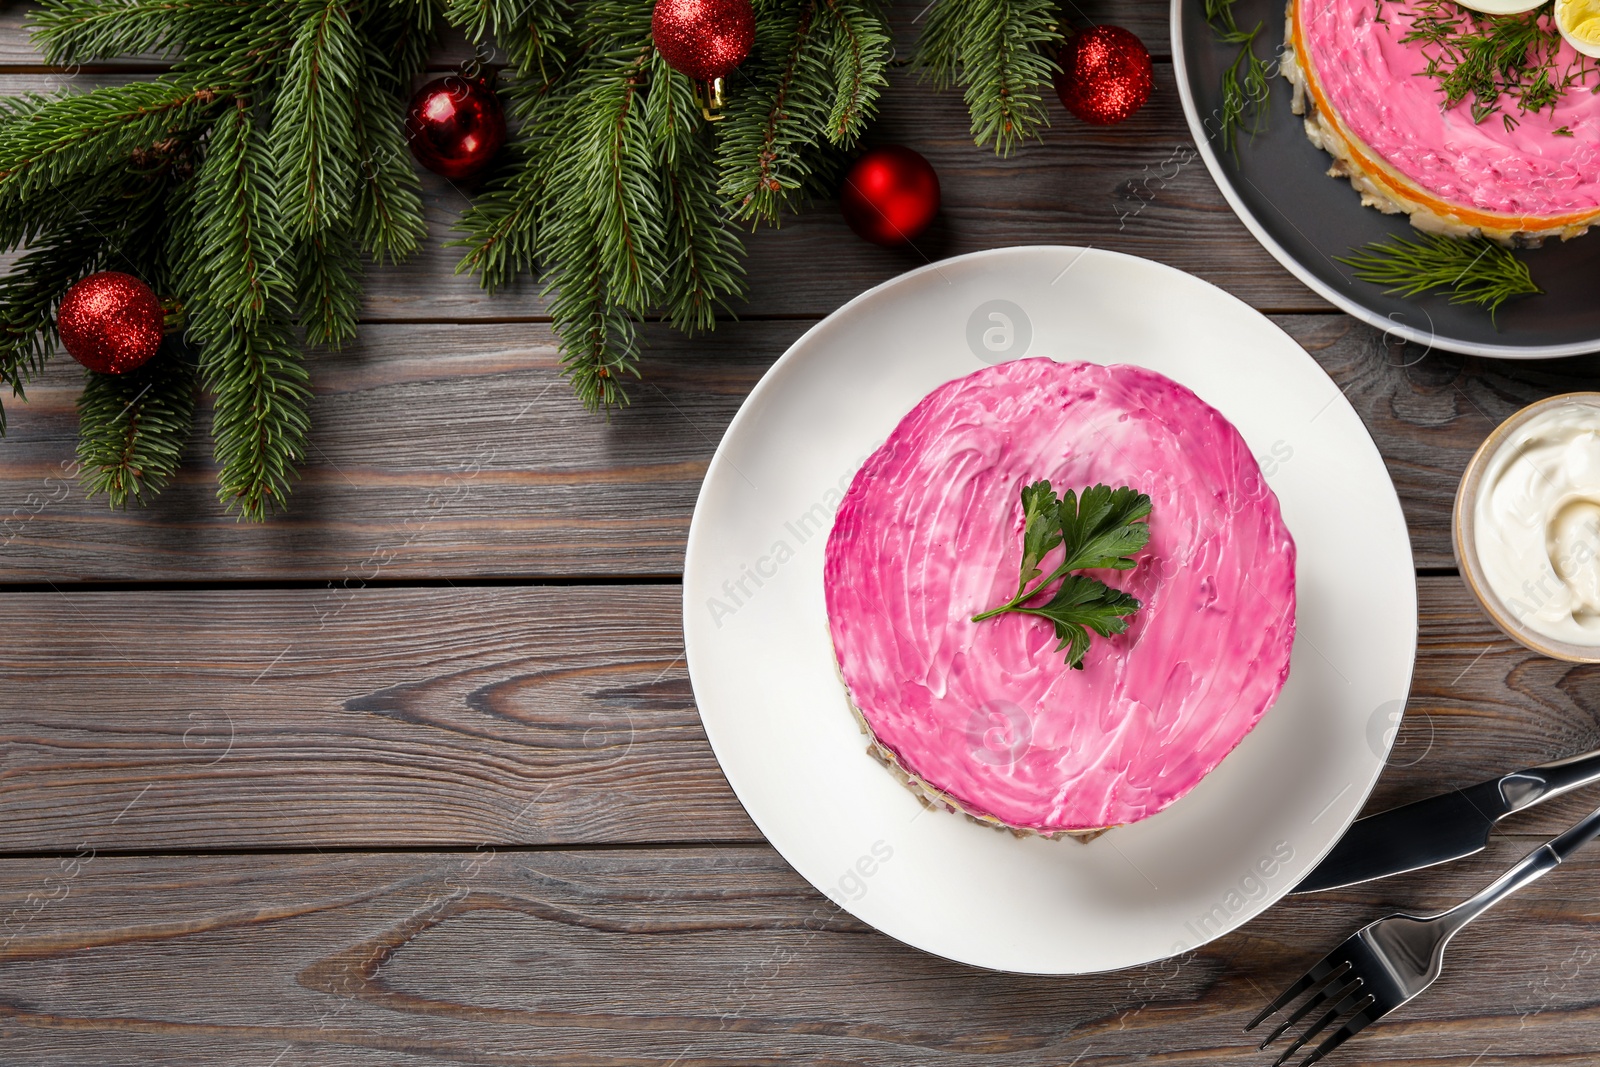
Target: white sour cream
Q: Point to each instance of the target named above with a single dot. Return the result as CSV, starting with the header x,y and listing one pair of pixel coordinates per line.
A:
x,y
1536,523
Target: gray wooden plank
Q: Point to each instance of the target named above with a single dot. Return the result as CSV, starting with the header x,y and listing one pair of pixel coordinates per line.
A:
x,y
339,717
436,450
252,718
704,957
442,450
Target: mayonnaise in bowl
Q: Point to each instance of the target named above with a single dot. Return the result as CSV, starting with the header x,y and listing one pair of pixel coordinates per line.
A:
x,y
1532,498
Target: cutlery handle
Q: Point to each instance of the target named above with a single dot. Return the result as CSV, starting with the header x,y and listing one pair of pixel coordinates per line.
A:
x,y
1535,865
1538,784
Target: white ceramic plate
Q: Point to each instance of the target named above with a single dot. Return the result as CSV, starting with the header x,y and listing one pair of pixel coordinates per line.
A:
x,y
774,708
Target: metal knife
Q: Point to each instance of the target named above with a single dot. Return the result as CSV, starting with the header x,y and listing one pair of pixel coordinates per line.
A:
x,y
1443,828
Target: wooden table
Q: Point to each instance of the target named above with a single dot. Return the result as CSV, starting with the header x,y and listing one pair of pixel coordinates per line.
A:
x,y
413,774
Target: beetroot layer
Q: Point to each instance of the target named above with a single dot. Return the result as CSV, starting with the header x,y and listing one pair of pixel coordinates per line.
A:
x,y
988,714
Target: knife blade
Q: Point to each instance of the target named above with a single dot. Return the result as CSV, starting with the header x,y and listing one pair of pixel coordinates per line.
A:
x,y
1447,827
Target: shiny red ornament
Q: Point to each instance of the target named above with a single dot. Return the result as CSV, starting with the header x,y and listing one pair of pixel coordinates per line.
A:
x,y
110,322
455,125
704,39
1105,75
890,195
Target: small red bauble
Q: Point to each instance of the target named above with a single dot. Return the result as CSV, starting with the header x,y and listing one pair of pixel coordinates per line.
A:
x,y
1105,75
110,322
704,39
455,126
890,195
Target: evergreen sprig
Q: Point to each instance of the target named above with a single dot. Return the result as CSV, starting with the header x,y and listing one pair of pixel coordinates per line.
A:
x,y
135,426
619,189
244,186
1472,270
1000,53
251,183
1246,83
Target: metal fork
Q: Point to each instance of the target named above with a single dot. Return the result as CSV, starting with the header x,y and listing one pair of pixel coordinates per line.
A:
x,y
1385,964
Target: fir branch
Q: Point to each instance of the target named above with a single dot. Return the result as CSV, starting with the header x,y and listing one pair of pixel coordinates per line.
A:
x,y
598,338
606,185
260,422
531,31
861,49
133,427
231,257
46,142
313,126
388,202
29,295
78,31
1471,270
766,145
398,35
999,52
231,275
705,269
604,237
328,293
501,228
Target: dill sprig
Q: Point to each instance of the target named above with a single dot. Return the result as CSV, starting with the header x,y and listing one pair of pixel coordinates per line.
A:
x,y
1492,59
1246,82
1473,270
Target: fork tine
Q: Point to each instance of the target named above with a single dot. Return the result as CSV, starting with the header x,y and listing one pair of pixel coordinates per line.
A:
x,y
1335,991
1355,1002
1354,1026
1303,983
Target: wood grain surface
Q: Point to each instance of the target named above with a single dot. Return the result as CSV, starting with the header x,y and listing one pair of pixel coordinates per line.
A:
x,y
515,716
713,957
455,450
413,774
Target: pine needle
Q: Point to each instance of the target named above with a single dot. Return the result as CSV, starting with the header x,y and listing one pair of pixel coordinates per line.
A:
x,y
134,427
1471,270
999,52
243,186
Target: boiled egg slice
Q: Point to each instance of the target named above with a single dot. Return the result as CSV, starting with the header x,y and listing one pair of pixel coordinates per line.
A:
x,y
1501,7
1579,23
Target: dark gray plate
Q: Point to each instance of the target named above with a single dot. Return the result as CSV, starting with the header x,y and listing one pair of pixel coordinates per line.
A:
x,y
1279,187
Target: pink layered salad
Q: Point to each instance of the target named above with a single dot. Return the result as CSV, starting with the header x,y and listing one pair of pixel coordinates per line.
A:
x,y
988,713
1375,84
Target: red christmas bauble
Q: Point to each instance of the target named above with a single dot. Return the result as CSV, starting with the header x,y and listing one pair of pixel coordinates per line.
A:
x,y
704,39
110,322
890,195
455,125
1105,75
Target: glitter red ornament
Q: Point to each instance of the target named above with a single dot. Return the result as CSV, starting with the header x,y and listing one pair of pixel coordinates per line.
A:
x,y
456,125
1105,75
890,195
110,322
704,39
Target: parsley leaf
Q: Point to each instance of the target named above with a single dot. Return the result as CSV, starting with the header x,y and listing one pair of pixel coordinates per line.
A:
x,y
1083,604
1042,529
1102,528
1098,529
